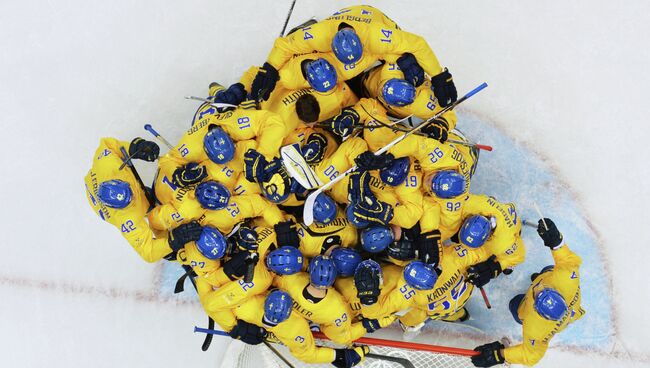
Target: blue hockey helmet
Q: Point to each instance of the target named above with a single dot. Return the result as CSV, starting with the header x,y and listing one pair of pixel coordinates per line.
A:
x,y
212,244
550,304
322,272
376,238
354,220
420,275
346,260
212,195
218,145
398,92
277,307
324,209
396,173
115,193
475,231
321,75
285,260
448,184
347,46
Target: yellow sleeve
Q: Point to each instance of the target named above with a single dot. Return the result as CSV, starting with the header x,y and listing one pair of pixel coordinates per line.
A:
x,y
291,76
270,131
224,317
529,352
400,298
431,215
410,208
296,335
381,41
168,216
341,160
566,259
317,37
248,76
137,232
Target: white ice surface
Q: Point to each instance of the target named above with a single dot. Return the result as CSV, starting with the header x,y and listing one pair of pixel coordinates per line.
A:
x,y
567,81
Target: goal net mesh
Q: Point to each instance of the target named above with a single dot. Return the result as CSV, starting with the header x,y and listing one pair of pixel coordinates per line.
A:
x,y
261,356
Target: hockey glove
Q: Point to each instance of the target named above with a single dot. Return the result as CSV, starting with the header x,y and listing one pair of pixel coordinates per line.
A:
x,y
183,234
552,237
235,267
490,354
248,333
371,325
359,187
413,72
379,212
402,250
428,249
438,130
314,149
481,273
254,165
234,95
286,233
189,174
141,149
368,161
367,281
343,123
346,358
264,82
444,88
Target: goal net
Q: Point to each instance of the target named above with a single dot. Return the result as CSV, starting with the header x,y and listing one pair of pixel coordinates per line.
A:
x,y
262,356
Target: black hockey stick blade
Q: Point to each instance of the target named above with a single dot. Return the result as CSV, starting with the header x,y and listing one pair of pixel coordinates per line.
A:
x,y
208,337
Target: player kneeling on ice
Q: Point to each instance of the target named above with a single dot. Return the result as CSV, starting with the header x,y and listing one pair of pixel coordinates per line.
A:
x,y
552,302
119,197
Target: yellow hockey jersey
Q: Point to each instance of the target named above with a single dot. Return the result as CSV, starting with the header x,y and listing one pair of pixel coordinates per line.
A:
x,y
362,14
131,219
314,237
538,331
331,312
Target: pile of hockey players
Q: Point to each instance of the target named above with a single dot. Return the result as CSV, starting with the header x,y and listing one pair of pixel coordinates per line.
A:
x,y
402,233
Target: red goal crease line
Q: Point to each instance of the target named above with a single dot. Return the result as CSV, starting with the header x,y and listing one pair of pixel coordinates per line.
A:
x,y
408,345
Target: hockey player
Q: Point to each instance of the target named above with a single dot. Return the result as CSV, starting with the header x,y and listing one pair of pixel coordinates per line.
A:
x,y
316,300
234,291
204,255
211,204
273,312
119,198
552,302
443,206
349,43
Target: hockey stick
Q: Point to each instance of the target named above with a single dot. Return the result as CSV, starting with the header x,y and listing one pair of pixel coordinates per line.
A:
x,y
286,21
308,213
129,163
540,214
483,147
151,130
529,224
218,105
485,298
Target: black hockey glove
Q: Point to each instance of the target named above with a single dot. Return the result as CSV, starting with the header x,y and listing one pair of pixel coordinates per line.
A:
x,y
141,149
264,82
286,233
314,149
367,281
428,249
359,188
183,234
552,237
402,250
245,238
490,355
368,161
235,267
234,95
378,212
248,333
346,358
438,130
413,72
371,325
444,88
254,165
481,273
343,123
189,174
